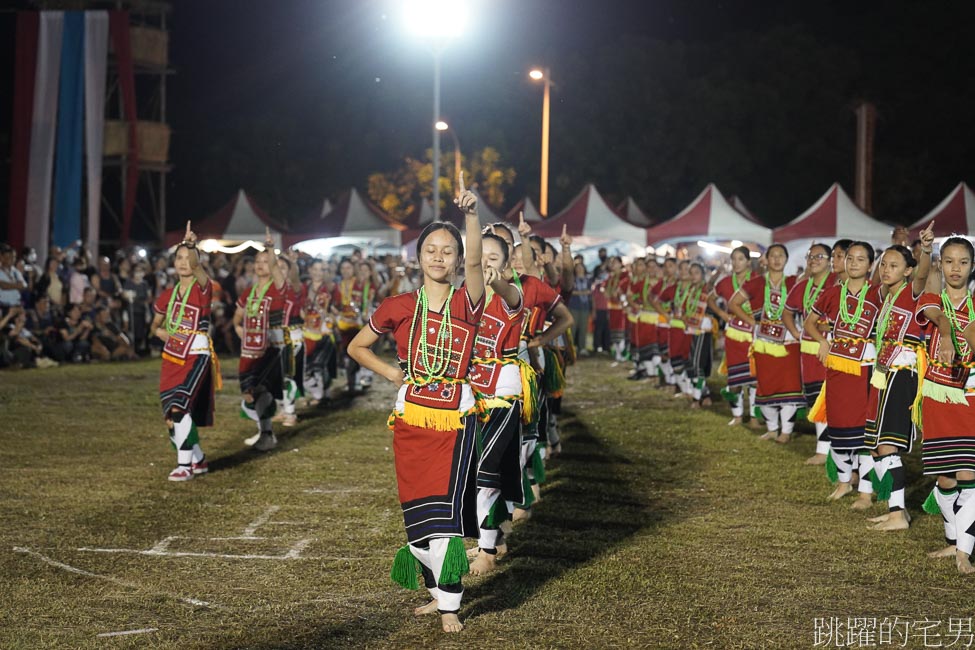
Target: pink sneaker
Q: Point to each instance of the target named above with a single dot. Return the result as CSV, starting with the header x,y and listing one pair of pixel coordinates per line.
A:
x,y
201,467
181,473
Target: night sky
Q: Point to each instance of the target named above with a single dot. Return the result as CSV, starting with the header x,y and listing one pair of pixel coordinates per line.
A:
x,y
296,100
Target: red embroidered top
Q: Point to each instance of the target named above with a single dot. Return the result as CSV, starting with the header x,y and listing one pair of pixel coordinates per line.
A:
x,y
497,338
725,289
955,375
196,317
794,301
269,314
850,341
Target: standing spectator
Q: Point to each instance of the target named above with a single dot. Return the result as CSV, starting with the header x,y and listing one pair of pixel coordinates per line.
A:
x,y
603,267
78,281
138,295
161,278
27,265
580,304
108,287
600,315
50,284
11,280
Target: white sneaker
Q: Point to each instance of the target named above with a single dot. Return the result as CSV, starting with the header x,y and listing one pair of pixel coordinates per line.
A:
x,y
250,442
181,473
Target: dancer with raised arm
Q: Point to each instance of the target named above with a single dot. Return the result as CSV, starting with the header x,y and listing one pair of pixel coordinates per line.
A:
x,y
190,369
433,422
259,322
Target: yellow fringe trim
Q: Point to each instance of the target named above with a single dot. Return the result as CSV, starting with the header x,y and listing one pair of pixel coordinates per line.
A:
x,y
312,336
723,368
496,403
649,318
215,366
944,394
171,358
676,322
839,364
922,369
633,318
769,348
662,319
878,379
738,335
818,411
809,347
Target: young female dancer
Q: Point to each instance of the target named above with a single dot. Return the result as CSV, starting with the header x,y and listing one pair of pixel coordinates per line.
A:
x,y
852,308
890,430
319,341
500,381
187,378
799,304
737,335
775,350
434,426
259,322
642,317
947,405
698,327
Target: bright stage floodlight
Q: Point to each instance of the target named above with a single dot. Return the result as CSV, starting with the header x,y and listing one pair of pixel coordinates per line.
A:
x,y
436,18
536,74
441,126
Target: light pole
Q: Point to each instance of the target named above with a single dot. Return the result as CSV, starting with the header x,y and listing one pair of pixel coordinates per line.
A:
x,y
437,21
545,76
443,126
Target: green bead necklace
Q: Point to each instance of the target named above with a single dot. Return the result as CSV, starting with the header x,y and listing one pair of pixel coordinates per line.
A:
x,y
435,364
845,316
173,326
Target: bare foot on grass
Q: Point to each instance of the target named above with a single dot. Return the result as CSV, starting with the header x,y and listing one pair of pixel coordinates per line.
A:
x,y
451,623
734,422
841,491
769,435
816,459
963,562
521,514
897,520
483,564
429,608
947,551
784,438
862,502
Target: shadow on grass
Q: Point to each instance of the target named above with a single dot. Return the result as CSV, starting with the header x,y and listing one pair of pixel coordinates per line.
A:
x,y
594,500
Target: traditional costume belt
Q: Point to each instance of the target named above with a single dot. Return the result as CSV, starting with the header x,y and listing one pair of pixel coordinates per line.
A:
x,y
429,417
529,384
214,359
844,364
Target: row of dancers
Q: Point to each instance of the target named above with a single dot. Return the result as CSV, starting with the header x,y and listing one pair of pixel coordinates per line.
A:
x,y
871,351
479,374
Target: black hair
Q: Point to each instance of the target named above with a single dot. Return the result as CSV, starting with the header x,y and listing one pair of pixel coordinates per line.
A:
x,y
956,240
905,253
826,247
286,261
782,246
744,250
843,244
441,225
534,254
501,242
502,225
871,253
916,242
547,246
538,239
670,259
700,266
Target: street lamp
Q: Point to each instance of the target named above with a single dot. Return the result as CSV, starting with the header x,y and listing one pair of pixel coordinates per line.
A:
x,y
545,75
443,126
437,21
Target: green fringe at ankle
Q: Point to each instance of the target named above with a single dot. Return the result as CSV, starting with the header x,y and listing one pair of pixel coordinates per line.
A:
x,y
496,515
930,505
832,472
405,569
883,486
526,487
455,563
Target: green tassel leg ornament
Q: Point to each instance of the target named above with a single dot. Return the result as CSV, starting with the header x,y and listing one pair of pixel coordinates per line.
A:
x,y
455,564
405,569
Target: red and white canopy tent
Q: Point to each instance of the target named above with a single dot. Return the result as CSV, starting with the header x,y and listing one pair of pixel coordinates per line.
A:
x,y
956,214
352,217
631,213
709,217
833,216
238,224
740,206
525,205
588,215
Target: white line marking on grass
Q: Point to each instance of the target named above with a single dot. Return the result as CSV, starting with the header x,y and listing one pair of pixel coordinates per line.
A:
x,y
130,585
293,554
260,521
144,630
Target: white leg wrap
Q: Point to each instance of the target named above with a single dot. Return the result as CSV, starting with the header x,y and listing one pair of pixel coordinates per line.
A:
x,y
964,520
844,464
865,486
181,431
771,415
822,447
787,412
946,502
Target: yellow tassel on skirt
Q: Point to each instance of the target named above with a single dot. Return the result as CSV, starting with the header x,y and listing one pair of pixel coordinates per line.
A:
x,y
878,379
839,364
769,348
818,411
809,347
431,418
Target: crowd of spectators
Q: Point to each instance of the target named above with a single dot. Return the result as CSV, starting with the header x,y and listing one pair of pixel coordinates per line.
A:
x,y
76,308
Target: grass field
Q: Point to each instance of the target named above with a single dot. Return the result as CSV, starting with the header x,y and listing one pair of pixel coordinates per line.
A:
x,y
660,527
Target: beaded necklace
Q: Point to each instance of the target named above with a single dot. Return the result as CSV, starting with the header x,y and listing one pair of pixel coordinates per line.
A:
x,y
809,300
773,312
255,298
173,326
883,321
949,311
736,285
845,316
693,299
680,298
435,364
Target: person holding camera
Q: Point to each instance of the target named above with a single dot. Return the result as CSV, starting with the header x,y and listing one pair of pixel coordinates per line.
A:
x,y
75,331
